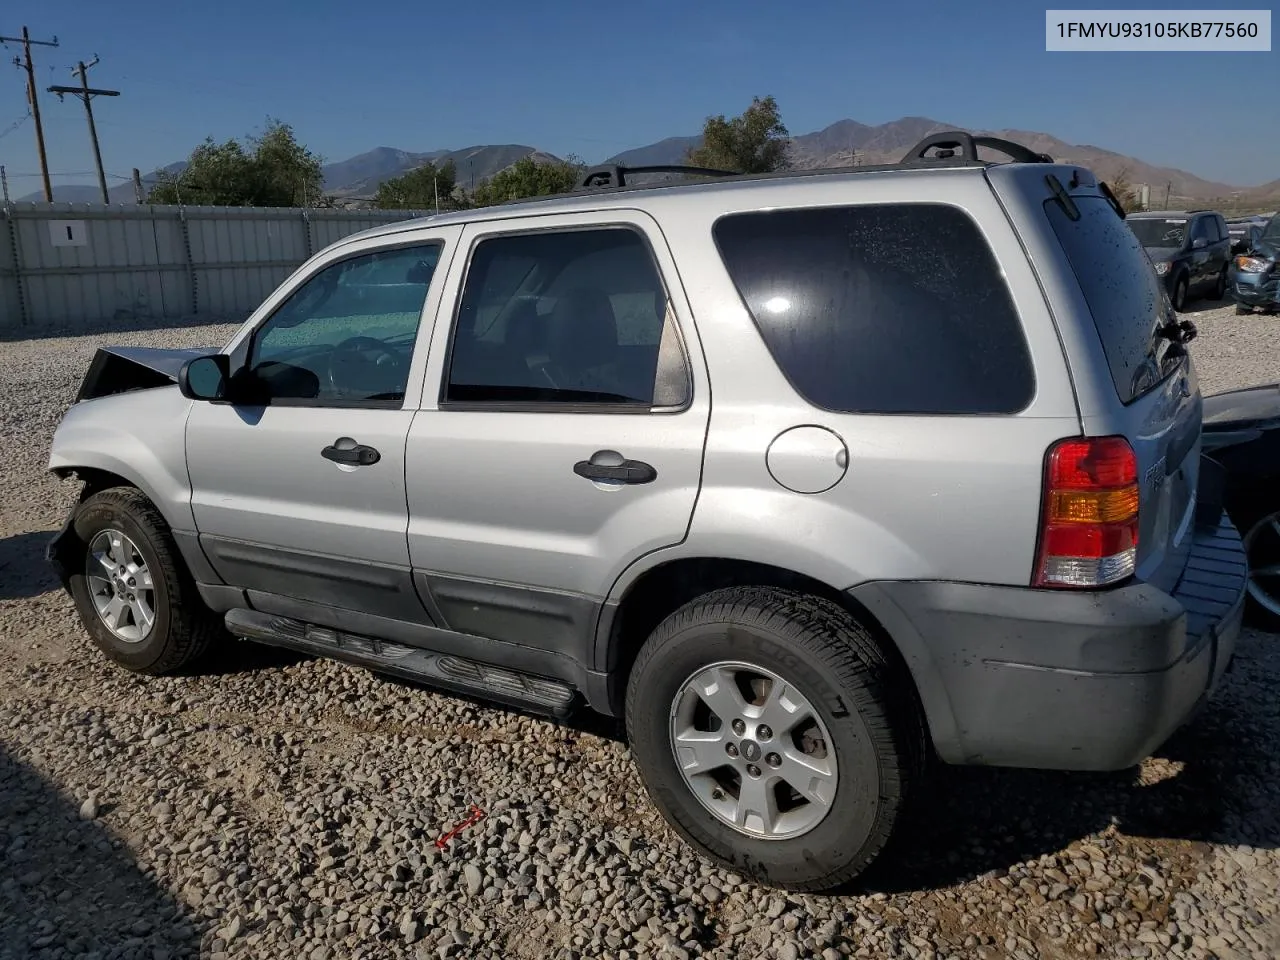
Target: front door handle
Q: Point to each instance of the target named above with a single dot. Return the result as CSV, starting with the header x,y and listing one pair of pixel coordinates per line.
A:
x,y
346,450
612,467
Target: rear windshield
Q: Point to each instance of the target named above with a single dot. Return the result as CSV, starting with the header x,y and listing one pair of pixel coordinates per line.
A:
x,y
1159,232
893,308
1121,288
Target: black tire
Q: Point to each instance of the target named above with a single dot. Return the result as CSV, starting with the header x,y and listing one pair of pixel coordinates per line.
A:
x,y
1242,309
184,627
1180,294
1220,288
868,708
1256,613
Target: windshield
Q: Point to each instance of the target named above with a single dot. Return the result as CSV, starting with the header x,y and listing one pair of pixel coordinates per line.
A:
x,y
1272,229
1158,231
1123,293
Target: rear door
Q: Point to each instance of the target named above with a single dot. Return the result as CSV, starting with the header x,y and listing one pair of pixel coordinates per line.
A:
x,y
562,425
1156,402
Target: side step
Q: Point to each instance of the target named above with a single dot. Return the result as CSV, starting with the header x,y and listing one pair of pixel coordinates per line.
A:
x,y
470,677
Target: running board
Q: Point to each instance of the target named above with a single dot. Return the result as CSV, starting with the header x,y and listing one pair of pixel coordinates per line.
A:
x,y
470,677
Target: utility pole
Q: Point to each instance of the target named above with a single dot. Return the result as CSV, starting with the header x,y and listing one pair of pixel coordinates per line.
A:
x,y
137,185
27,43
85,93
4,184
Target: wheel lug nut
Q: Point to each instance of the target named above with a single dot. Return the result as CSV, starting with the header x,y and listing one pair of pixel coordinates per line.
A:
x,y
731,749
133,582
773,760
717,794
131,598
753,770
763,732
122,570
739,727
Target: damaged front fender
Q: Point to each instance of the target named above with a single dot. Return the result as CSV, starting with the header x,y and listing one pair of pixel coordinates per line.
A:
x,y
123,369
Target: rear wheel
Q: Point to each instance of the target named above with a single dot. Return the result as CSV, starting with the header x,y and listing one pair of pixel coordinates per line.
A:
x,y
1220,288
131,588
1262,546
774,735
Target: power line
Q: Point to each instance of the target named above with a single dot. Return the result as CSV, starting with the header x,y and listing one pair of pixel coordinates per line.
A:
x,y
32,100
85,94
15,125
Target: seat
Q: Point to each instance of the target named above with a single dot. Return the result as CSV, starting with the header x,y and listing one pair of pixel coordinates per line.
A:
x,y
583,342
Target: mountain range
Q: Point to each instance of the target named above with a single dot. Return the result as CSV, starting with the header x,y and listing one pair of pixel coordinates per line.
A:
x,y
843,143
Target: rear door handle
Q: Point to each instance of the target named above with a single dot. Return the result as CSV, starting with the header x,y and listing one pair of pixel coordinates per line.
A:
x,y
346,450
622,471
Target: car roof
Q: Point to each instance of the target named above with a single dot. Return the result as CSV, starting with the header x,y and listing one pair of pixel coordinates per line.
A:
x,y
631,195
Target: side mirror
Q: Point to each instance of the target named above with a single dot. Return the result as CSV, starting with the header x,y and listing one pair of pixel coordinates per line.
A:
x,y
1199,243
205,378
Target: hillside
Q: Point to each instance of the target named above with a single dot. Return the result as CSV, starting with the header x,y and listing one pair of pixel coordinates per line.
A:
x,y
840,144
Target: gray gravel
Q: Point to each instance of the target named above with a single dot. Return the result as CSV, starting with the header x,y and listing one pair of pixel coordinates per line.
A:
x,y
276,806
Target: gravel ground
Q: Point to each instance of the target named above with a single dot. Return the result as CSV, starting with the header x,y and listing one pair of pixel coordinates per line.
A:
x,y
273,805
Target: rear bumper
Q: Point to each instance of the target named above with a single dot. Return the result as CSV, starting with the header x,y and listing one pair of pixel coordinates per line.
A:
x,y
1018,677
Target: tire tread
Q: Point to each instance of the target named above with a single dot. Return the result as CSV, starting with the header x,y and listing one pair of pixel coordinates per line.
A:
x,y
192,627
860,669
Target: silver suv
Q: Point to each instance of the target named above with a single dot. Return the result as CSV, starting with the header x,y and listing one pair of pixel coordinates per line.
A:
x,y
810,477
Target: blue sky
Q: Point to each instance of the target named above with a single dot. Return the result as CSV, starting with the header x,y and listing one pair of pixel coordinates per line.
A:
x,y
596,78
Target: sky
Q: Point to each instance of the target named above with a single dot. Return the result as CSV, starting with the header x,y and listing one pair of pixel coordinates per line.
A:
x,y
595,78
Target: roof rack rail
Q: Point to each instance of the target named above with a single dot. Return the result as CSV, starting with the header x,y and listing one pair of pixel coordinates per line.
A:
x,y
613,175
949,141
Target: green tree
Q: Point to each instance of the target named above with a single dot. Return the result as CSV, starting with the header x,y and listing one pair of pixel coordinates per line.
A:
x,y
271,169
419,189
755,142
528,177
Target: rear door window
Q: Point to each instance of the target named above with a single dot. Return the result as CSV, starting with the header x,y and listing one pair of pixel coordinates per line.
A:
x,y
1122,291
884,308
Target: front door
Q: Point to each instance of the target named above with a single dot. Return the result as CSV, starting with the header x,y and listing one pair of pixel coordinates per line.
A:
x,y
562,429
1202,260
300,493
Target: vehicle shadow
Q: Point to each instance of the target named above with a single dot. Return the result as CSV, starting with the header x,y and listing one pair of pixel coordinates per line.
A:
x,y
966,822
1197,305
231,655
65,887
972,821
24,572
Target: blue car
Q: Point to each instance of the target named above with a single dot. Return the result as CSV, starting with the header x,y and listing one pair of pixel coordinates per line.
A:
x,y
1254,276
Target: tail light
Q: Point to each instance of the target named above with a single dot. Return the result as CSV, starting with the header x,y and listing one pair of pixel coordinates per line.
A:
x,y
1089,521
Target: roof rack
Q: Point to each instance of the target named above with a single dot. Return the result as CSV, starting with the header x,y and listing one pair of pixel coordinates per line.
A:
x,y
949,141
614,175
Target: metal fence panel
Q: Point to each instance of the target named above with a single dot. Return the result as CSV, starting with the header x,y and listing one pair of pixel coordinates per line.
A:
x,y
64,265
10,295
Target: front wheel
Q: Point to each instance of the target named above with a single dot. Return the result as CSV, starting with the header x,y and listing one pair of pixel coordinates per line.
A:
x,y
1220,288
131,588
774,735
1180,294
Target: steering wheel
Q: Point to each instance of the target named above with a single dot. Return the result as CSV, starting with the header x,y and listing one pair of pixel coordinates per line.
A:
x,y
362,366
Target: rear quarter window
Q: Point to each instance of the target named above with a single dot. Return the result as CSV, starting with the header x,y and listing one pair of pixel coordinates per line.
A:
x,y
883,309
1121,289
